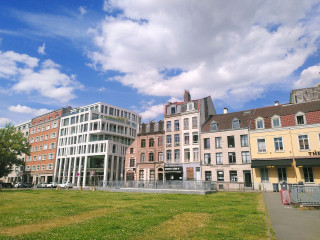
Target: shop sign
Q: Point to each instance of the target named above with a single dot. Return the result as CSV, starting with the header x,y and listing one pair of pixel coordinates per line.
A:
x,y
314,153
173,169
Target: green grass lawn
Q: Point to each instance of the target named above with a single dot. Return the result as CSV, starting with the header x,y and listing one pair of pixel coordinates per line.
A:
x,y
61,214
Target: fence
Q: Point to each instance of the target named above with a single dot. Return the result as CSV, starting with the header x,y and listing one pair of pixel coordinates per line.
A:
x,y
305,195
181,185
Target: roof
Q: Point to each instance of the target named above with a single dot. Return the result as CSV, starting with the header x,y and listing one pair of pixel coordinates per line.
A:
x,y
225,120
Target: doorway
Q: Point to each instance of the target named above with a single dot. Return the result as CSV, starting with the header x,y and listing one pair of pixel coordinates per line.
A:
x,y
247,179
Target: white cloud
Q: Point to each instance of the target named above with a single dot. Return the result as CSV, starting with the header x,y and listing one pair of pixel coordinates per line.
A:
x,y
101,89
28,77
152,112
308,77
4,121
82,10
28,110
231,50
41,49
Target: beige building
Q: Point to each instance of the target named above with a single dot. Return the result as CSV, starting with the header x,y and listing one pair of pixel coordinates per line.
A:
x,y
144,157
225,150
183,121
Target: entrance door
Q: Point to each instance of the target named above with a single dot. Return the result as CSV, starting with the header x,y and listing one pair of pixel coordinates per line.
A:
x,y
160,176
247,179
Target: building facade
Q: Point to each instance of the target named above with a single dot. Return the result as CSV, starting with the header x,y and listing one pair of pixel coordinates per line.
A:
x,y
145,156
17,174
285,144
43,138
183,121
92,144
225,150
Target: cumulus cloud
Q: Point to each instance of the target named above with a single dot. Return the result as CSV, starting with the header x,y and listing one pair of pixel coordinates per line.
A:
x,y
152,112
309,77
41,49
231,50
82,10
28,110
29,77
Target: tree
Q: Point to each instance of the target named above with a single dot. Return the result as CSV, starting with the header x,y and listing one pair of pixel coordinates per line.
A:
x,y
12,145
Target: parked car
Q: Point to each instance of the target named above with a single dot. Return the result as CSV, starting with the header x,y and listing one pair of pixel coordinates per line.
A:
x,y
42,185
66,184
52,185
18,185
6,185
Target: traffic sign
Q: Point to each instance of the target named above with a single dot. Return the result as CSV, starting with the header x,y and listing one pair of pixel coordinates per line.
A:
x,y
92,173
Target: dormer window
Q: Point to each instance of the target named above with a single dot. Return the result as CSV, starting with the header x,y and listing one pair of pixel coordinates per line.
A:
x,y
259,123
300,118
190,106
235,123
214,126
276,121
173,110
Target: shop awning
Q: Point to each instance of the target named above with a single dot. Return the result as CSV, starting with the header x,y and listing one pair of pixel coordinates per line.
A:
x,y
260,163
308,162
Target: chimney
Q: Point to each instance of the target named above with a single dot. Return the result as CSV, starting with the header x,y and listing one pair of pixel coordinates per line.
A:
x,y
276,103
186,96
225,110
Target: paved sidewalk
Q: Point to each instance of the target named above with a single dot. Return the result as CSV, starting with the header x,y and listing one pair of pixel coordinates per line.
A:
x,y
292,223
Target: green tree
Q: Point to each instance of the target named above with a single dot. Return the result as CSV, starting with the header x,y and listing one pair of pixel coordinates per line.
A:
x,y
12,145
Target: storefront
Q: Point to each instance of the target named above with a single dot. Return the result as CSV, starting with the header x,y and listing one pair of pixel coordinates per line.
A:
x,y
173,173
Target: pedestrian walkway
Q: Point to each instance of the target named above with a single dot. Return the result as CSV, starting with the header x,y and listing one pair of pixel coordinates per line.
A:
x,y
292,223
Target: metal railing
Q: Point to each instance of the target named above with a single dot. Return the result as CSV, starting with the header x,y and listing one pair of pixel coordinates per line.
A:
x,y
305,195
180,185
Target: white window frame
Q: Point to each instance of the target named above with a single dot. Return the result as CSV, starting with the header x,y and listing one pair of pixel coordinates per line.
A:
x,y
274,144
259,119
265,143
214,126
299,114
305,149
236,121
273,118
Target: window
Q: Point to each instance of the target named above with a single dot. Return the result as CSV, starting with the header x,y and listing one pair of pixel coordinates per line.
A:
x,y
38,167
42,129
207,158
44,157
177,139
186,155
54,125
186,139
235,123
40,148
195,137
39,157
35,158
230,141
303,142
160,141
160,156
190,106
206,142
28,168
152,175
232,157
141,175
261,145
142,157
53,135
194,122
219,158
220,176
176,155
244,140
259,123
207,176
168,155
300,118
245,157
131,150
143,143
41,138
33,168
264,173
278,145
42,167
38,130
46,137
176,125
233,176
36,148
31,140
52,145
151,157
186,123
132,162
213,126
51,156
169,126
151,142
308,174
49,166
218,142
173,110
196,154
37,139
45,146
275,121
168,140
282,175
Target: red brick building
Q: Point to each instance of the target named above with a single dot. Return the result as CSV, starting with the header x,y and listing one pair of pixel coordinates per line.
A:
x,y
145,156
43,138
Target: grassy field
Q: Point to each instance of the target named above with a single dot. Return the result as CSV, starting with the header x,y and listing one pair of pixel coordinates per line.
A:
x,y
51,214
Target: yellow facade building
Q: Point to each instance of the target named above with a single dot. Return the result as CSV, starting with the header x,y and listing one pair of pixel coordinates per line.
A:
x,y
285,145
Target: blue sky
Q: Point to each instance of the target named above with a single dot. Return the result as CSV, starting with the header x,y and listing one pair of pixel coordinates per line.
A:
x,y
142,54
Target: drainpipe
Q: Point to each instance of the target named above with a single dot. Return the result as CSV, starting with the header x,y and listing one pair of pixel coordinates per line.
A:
x,y
249,129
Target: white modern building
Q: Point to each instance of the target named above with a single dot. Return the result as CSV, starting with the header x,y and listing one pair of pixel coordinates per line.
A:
x,y
92,144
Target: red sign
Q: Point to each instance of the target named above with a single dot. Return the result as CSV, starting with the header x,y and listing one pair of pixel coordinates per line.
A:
x,y
92,173
78,174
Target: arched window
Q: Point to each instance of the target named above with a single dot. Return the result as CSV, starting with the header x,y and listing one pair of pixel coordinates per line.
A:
x,y
275,121
235,123
151,142
259,123
213,126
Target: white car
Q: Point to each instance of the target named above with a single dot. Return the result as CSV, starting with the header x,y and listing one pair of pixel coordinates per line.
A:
x,y
66,184
52,185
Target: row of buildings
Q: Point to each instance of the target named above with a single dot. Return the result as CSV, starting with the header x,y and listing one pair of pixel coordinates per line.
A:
x,y
255,148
